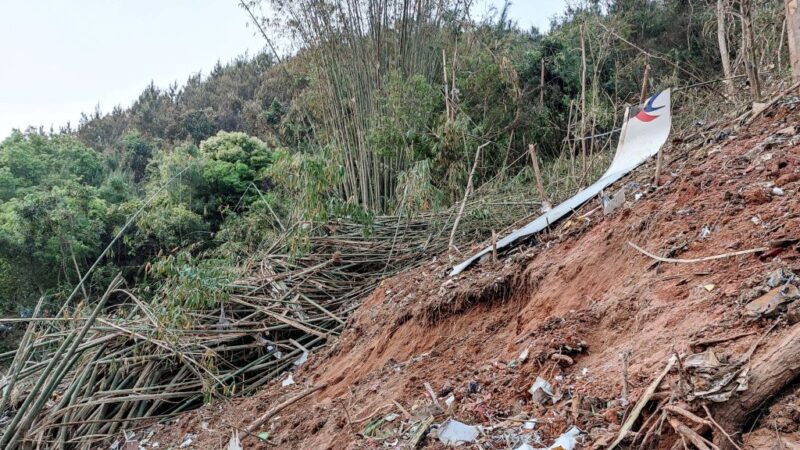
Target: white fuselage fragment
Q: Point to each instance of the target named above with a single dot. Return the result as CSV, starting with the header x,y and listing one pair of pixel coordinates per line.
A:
x,y
641,137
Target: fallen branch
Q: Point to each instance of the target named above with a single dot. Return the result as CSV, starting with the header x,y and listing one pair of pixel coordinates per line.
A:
x,y
691,435
648,393
467,191
719,427
719,340
774,100
271,413
687,414
696,260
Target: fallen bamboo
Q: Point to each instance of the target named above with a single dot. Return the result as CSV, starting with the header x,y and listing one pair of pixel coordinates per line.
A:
x,y
271,413
131,364
637,409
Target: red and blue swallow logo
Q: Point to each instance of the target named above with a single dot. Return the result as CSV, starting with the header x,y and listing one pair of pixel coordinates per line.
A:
x,y
645,114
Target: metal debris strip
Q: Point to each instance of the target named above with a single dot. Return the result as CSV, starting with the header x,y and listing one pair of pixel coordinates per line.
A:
x,y
642,136
83,379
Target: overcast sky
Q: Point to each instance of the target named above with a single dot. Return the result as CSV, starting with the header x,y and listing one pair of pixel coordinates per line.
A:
x,y
61,58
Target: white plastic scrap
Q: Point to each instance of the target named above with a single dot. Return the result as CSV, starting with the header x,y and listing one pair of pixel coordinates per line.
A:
x,y
541,391
567,441
235,443
525,447
302,359
453,432
777,191
288,381
187,441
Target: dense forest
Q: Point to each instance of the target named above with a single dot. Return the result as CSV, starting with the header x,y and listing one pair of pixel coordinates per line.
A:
x,y
377,110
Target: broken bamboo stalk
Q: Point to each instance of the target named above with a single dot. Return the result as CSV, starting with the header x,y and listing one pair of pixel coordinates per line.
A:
x,y
467,191
537,173
637,409
269,414
645,84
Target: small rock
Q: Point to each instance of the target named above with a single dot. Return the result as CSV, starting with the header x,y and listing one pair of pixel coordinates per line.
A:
x,y
777,191
756,196
787,178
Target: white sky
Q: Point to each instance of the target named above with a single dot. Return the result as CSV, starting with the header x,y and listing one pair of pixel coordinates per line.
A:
x,y
61,58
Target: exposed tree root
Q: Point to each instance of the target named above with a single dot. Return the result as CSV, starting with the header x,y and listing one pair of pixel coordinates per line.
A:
x,y
770,372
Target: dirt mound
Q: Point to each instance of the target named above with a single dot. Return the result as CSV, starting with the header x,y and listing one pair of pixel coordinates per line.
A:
x,y
582,309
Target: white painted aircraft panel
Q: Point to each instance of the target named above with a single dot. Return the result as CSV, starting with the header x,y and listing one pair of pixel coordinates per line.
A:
x,y
640,138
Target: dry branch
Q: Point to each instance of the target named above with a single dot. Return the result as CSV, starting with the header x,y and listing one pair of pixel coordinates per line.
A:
x,y
696,260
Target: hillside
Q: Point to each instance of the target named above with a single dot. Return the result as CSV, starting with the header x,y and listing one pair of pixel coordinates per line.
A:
x,y
573,304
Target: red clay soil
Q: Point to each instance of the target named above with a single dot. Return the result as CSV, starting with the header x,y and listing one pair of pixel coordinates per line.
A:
x,y
582,293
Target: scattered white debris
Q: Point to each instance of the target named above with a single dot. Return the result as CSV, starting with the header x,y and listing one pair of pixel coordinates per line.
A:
x,y
705,232
187,441
302,359
529,424
235,443
288,381
391,417
755,220
453,432
777,191
541,391
611,204
525,447
450,400
567,441
524,355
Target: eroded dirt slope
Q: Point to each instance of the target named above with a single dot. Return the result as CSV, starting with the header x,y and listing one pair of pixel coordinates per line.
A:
x,y
565,310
